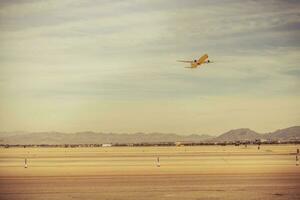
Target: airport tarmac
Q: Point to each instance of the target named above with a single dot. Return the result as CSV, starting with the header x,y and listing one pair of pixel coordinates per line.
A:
x,y
195,172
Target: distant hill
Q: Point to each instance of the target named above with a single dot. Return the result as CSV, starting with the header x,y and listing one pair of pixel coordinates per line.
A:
x,y
243,134
96,138
292,133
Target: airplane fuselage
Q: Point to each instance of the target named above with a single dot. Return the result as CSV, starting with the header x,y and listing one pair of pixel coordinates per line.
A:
x,y
196,63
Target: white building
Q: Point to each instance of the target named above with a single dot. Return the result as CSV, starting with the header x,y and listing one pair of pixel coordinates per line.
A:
x,y
106,145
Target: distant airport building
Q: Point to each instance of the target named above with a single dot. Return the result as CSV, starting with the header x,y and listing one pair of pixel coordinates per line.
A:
x,y
106,145
178,144
181,144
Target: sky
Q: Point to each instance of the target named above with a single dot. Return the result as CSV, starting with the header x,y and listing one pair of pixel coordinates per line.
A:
x,y
110,66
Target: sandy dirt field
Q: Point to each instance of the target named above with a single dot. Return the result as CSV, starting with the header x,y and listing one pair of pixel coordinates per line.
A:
x,y
202,172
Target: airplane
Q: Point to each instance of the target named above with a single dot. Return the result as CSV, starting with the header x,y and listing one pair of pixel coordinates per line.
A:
x,y
195,63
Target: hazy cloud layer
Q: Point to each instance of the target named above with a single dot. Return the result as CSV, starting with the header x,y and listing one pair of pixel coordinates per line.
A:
x,y
110,52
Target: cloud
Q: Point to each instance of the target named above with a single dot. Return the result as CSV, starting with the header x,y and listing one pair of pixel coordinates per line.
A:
x,y
127,50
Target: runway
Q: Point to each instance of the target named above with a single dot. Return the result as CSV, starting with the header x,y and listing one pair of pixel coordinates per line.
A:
x,y
202,172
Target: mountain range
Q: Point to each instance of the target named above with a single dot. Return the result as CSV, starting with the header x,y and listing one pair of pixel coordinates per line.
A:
x,y
243,134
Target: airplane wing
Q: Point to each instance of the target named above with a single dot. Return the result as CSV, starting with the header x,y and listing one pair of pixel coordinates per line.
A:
x,y
185,61
202,59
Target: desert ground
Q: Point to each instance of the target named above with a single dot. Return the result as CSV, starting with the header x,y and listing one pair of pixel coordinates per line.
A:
x,y
186,172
